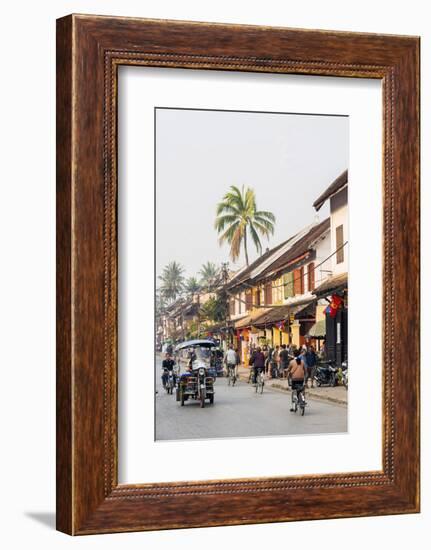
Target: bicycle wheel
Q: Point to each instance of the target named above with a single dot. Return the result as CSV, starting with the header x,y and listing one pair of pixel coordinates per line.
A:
x,y
262,383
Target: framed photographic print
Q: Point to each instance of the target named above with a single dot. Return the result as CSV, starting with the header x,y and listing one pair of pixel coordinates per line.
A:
x,y
237,274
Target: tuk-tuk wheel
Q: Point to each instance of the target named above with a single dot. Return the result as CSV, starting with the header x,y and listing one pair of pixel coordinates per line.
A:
x,y
182,399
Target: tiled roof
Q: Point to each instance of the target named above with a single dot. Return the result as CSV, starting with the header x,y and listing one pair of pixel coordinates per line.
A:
x,y
275,259
332,284
244,274
300,248
252,318
282,313
335,186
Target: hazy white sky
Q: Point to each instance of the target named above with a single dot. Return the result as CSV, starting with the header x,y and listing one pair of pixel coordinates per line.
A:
x,y
289,160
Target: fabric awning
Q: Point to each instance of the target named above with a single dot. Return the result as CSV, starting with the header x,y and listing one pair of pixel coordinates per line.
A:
x,y
318,330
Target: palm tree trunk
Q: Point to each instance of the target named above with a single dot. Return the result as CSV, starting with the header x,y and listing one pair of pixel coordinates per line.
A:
x,y
199,316
245,246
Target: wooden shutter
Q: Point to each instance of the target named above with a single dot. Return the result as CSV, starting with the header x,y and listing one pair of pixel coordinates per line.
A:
x,y
268,294
339,234
288,285
297,281
298,284
311,276
248,300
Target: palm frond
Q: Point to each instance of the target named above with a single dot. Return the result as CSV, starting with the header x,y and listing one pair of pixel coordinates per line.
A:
x,y
255,238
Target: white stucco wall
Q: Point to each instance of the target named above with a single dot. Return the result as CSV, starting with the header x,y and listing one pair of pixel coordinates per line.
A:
x,y
339,216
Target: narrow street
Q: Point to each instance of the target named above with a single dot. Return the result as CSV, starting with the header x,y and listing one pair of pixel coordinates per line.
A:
x,y
239,412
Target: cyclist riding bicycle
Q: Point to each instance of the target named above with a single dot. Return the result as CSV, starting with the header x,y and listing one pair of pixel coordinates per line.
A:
x,y
231,360
296,370
257,361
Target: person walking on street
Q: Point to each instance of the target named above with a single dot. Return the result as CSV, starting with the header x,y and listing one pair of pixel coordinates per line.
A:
x,y
275,358
310,362
284,360
238,358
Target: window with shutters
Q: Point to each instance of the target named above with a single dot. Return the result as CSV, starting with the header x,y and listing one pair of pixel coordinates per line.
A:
x,y
248,300
339,234
288,285
268,294
310,280
298,281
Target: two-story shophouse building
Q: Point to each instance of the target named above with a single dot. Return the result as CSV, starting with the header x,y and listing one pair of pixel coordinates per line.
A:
x,y
334,290
271,301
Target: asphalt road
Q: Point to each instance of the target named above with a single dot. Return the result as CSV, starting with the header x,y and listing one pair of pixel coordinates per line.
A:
x,y
239,412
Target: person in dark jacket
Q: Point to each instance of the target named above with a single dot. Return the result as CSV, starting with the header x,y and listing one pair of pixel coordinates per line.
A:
x,y
167,366
310,364
284,360
258,362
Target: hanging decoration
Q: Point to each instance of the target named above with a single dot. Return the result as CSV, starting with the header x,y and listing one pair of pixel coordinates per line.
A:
x,y
335,304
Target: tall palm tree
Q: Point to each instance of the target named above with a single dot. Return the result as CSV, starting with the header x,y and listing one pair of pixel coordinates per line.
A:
x,y
172,281
209,275
191,286
238,216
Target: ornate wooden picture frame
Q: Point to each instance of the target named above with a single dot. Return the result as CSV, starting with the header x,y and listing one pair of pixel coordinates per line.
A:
x,y
89,51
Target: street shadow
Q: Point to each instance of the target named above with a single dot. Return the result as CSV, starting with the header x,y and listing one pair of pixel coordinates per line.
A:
x,y
45,518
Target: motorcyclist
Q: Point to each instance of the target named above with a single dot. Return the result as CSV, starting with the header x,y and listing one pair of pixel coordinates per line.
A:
x,y
192,357
167,366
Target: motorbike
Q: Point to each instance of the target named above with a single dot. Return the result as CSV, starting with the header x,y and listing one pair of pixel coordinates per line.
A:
x,y
344,374
169,380
196,385
326,374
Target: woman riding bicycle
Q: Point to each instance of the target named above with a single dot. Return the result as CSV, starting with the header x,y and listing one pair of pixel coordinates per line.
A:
x,y
296,370
257,361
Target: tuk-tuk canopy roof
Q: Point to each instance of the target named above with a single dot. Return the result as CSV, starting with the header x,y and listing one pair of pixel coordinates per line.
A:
x,y
195,343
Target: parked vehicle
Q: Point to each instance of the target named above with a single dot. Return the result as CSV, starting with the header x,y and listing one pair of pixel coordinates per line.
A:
x,y
344,374
196,383
326,374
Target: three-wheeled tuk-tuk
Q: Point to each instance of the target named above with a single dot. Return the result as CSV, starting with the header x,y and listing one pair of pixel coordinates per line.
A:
x,y
196,383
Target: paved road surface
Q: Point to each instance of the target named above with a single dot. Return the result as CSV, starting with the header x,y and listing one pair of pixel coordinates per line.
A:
x,y
239,412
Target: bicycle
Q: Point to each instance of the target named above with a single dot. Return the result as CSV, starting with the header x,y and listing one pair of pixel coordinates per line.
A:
x,y
298,399
260,381
232,376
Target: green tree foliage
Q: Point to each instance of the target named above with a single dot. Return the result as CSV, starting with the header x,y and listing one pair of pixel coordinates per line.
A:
x,y
237,216
172,281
